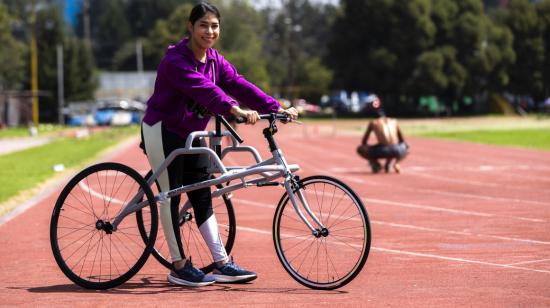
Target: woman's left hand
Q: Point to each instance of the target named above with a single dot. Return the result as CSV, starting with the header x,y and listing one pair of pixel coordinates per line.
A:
x,y
291,112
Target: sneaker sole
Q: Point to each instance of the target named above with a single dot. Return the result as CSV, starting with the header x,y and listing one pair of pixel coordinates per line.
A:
x,y
234,279
182,282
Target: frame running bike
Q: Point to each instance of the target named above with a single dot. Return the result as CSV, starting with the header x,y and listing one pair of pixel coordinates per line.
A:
x,y
321,230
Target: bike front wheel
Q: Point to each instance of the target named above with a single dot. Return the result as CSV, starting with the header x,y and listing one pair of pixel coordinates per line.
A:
x,y
330,257
87,248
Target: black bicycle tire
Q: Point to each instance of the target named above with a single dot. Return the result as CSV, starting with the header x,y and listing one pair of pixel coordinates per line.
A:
x,y
55,219
228,243
280,254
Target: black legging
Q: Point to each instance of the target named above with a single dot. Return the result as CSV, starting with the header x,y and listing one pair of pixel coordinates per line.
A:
x,y
185,170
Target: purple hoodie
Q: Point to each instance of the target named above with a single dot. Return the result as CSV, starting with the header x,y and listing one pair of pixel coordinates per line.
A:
x,y
183,80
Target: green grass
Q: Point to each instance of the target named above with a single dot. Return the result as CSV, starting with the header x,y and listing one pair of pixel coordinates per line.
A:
x,y
25,169
537,138
528,131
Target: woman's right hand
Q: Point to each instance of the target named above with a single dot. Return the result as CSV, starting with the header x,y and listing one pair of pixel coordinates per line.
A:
x,y
251,116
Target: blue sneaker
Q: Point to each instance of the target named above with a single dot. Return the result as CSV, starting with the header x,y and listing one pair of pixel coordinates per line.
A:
x,y
230,272
190,276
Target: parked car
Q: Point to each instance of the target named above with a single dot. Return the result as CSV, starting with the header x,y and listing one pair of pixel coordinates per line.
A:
x,y
80,120
118,112
305,108
343,102
79,114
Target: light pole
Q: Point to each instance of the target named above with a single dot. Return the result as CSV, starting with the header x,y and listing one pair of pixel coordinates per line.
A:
x,y
60,84
34,66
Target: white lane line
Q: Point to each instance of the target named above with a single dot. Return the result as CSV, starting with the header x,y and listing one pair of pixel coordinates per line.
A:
x,y
466,182
253,203
253,230
426,255
461,260
454,194
408,226
444,193
370,201
506,238
529,262
427,207
99,195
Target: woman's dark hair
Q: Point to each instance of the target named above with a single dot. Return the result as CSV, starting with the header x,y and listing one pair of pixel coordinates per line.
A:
x,y
201,9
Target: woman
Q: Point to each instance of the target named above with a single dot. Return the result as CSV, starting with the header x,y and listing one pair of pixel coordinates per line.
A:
x,y
193,81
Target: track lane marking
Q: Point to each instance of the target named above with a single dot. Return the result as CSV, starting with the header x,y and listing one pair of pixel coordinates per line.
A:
x,y
529,262
420,254
240,201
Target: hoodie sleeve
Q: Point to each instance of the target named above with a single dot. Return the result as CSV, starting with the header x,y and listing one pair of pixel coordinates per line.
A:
x,y
197,87
243,90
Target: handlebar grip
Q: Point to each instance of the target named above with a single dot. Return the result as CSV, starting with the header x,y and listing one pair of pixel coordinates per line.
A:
x,y
279,116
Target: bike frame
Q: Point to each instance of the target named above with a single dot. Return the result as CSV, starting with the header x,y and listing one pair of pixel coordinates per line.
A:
x,y
268,170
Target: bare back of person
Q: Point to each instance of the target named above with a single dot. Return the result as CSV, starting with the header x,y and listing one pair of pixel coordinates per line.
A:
x,y
386,130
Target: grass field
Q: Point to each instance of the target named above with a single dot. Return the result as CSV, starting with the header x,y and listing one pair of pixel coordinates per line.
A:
x,y
528,138
23,170
529,132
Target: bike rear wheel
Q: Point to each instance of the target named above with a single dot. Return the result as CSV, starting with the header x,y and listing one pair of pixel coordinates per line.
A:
x,y
192,241
330,258
84,243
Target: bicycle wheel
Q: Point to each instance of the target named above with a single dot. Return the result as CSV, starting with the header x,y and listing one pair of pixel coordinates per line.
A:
x,y
193,244
333,257
84,244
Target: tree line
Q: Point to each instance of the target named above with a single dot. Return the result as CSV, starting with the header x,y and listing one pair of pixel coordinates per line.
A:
x,y
400,50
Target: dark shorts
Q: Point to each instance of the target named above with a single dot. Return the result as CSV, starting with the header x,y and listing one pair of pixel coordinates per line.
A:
x,y
378,151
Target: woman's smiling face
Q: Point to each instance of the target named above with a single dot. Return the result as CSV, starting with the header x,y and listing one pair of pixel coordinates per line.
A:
x,y
205,31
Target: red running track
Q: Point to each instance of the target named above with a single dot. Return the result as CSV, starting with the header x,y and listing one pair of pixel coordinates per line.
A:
x,y
462,225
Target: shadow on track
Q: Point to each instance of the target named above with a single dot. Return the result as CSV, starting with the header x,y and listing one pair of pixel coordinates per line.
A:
x,y
158,285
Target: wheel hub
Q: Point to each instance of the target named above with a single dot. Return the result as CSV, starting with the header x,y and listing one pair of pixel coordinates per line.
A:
x,y
187,216
321,232
104,225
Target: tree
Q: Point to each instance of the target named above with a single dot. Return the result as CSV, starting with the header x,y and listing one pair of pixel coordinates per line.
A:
x,y
543,11
295,43
166,32
109,29
143,14
474,53
78,70
240,42
527,73
376,43
413,48
12,55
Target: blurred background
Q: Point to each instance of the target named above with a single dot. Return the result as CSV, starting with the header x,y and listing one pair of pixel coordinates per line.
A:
x,y
93,62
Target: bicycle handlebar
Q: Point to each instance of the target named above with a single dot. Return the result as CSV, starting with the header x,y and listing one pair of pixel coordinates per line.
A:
x,y
268,116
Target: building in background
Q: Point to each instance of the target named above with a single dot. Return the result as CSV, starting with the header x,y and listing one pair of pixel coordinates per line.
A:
x,y
134,85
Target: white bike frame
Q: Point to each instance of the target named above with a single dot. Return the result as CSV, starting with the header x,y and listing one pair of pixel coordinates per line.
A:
x,y
269,170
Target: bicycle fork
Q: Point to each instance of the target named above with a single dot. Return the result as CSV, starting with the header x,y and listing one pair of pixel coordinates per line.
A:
x,y
292,186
